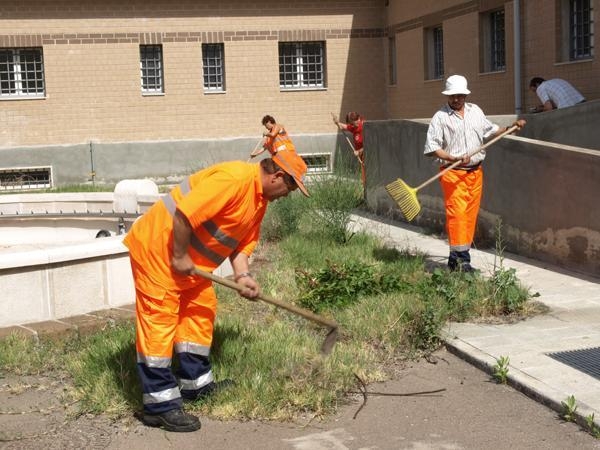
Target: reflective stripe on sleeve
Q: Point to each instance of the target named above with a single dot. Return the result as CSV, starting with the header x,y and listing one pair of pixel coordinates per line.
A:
x,y
185,186
215,232
169,204
205,251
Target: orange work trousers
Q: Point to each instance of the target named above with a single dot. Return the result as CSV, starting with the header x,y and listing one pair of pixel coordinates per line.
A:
x,y
462,199
168,321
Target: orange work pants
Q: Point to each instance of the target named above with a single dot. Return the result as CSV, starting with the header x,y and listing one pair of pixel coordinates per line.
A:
x,y
462,198
168,321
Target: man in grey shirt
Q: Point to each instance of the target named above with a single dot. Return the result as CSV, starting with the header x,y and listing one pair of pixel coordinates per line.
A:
x,y
554,94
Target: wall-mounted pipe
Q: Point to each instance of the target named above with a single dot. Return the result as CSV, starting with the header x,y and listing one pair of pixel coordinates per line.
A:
x,y
517,55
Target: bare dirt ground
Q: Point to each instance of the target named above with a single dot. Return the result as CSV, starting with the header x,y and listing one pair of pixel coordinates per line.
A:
x,y
473,412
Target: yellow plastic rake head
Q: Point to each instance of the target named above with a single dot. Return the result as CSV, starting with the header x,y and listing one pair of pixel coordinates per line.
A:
x,y
405,197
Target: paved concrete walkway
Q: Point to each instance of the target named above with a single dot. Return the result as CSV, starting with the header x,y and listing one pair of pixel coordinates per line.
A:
x,y
573,323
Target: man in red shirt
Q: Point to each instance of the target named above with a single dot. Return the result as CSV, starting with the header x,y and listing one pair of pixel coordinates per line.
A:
x,y
354,124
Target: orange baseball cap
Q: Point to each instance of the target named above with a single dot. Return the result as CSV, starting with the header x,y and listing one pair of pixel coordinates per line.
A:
x,y
294,165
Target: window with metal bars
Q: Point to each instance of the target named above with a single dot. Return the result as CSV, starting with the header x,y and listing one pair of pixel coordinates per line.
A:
x,y
434,53
581,29
21,73
301,65
392,68
213,66
151,68
497,46
23,178
438,52
317,162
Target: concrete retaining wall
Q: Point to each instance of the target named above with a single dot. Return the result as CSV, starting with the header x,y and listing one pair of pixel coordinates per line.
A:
x,y
576,126
545,194
164,162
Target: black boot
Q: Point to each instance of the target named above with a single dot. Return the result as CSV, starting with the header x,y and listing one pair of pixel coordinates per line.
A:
x,y
206,391
460,261
173,420
453,261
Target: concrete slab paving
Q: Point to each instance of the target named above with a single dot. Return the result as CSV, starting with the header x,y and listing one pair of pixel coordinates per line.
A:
x,y
572,323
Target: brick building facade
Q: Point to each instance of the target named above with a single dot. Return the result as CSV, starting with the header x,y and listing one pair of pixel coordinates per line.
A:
x,y
160,70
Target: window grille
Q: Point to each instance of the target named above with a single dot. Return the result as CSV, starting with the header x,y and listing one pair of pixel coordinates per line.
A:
x,y
21,73
213,62
301,65
438,53
25,178
497,46
317,162
392,69
151,68
581,29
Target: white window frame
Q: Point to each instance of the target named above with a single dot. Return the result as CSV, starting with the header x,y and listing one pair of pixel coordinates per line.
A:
x,y
213,67
302,65
15,72
152,84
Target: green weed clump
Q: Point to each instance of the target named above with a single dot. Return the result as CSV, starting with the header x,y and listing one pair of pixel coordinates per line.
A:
x,y
327,211
338,285
569,406
501,369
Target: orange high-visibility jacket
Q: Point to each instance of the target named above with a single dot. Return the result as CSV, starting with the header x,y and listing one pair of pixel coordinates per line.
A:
x,y
224,205
280,142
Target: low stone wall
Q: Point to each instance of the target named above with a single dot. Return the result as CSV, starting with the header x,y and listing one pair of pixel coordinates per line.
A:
x,y
544,194
56,279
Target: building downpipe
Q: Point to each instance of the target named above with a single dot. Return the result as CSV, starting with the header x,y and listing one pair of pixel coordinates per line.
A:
x,y
517,55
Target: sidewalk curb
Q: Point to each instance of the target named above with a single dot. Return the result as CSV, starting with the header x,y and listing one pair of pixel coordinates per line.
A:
x,y
526,384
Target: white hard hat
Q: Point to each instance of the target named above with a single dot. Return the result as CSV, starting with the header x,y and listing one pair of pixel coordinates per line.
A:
x,y
456,84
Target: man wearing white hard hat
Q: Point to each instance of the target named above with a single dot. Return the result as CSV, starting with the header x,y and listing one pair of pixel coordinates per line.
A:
x,y
454,133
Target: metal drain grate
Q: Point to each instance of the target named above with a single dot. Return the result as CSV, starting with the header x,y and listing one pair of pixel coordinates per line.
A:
x,y
586,360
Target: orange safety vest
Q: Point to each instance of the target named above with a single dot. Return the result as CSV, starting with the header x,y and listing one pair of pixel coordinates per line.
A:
x,y
280,142
225,207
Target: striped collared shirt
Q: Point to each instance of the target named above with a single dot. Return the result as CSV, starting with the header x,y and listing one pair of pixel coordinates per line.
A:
x,y
457,135
559,92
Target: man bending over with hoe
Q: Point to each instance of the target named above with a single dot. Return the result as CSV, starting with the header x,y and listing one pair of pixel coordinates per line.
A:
x,y
456,133
214,214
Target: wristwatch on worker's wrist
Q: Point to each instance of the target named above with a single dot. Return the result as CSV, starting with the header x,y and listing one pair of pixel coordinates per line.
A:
x,y
242,275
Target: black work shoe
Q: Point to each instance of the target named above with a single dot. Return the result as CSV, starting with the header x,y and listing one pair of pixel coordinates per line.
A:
x,y
206,391
468,268
173,420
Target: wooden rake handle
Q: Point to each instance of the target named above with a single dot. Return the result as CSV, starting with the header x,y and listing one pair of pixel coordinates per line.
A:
x,y
280,304
253,153
347,139
457,163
